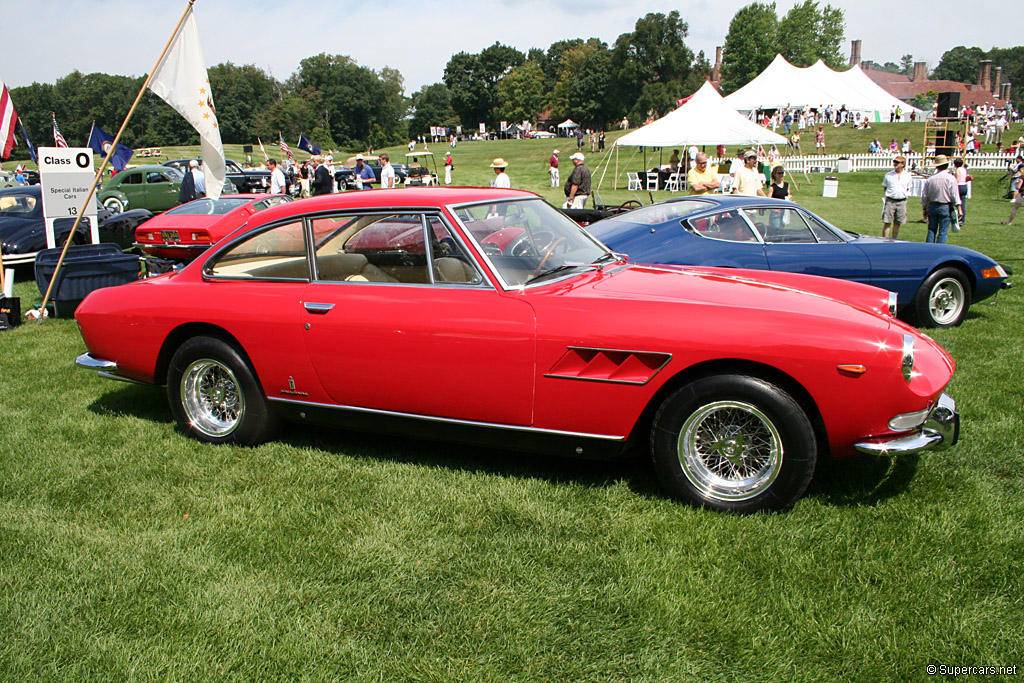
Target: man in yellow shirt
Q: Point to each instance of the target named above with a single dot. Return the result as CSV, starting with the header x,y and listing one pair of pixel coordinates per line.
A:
x,y
703,179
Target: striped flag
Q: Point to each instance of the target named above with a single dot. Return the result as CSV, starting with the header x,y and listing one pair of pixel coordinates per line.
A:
x,y
266,157
58,139
285,149
8,117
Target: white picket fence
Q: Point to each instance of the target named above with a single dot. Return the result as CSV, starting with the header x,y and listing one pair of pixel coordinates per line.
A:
x,y
831,163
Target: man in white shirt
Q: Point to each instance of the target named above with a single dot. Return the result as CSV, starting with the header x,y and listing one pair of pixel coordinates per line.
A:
x,y
748,181
387,173
277,182
939,199
897,188
501,178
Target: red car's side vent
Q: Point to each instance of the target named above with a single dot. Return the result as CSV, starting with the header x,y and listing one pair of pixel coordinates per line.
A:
x,y
609,365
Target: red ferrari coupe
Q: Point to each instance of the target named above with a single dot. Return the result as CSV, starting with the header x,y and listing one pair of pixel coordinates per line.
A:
x,y
486,315
188,230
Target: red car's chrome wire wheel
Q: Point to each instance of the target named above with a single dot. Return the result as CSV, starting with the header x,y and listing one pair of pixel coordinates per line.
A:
x,y
730,450
211,398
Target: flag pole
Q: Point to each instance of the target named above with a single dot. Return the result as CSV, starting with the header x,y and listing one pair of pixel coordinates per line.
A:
x,y
106,160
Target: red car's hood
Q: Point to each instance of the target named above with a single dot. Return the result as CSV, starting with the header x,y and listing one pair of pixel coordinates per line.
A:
x,y
749,289
866,297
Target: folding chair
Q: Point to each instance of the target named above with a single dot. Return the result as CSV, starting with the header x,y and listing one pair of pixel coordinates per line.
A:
x,y
634,181
672,184
652,181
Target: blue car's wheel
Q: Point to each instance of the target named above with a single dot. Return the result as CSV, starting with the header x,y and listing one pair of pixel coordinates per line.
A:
x,y
943,299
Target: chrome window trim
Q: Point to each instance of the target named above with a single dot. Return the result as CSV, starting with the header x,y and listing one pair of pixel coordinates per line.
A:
x,y
892,303
448,420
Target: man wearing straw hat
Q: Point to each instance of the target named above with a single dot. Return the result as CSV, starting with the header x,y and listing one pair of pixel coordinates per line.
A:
x,y
501,178
939,196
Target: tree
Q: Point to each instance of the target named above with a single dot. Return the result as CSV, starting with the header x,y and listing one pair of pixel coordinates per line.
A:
x,y
1012,61
432,105
907,65
653,53
520,94
959,64
588,93
749,45
472,81
924,100
241,94
807,34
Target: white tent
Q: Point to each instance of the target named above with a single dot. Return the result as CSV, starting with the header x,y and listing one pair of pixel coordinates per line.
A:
x,y
705,119
568,123
783,85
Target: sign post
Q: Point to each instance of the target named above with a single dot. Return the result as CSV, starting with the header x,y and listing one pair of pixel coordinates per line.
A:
x,y
66,175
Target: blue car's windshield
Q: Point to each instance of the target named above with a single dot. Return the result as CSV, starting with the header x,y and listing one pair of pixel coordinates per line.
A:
x,y
660,213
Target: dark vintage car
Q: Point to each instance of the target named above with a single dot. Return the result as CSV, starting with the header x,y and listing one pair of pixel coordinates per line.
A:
x,y
143,187
484,315
346,175
189,229
23,228
242,180
935,284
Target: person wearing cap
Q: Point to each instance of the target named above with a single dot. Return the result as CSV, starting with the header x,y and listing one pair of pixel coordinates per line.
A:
x,y
939,195
553,169
364,174
501,178
449,166
1018,196
387,173
277,181
193,185
894,206
577,187
748,181
323,180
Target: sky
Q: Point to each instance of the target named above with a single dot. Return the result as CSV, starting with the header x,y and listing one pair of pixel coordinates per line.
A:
x,y
417,37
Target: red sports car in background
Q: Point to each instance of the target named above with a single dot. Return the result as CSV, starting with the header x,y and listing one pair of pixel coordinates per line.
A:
x,y
188,230
485,315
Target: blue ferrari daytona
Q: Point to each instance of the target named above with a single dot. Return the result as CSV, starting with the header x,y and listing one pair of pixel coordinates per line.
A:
x,y
935,284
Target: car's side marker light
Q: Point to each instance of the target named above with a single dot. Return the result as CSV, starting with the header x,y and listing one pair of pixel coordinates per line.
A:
x,y
852,369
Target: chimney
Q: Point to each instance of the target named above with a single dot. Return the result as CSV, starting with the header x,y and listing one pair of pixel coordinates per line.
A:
x,y
998,82
985,74
920,72
867,65
1005,92
716,70
854,52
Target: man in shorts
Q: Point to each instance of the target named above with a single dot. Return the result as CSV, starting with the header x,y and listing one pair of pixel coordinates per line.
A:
x,y
897,188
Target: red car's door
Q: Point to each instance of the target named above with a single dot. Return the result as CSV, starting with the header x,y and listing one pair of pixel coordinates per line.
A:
x,y
384,333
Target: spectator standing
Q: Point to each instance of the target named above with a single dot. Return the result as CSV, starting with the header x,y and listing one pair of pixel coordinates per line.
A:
x,y
819,140
323,181
702,178
939,196
600,141
19,175
579,139
277,180
577,187
387,173
748,181
795,142
894,204
553,169
1018,196
193,185
501,178
364,174
962,186
779,189
449,166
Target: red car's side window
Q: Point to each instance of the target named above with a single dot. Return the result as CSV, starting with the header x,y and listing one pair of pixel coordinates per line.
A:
x,y
278,253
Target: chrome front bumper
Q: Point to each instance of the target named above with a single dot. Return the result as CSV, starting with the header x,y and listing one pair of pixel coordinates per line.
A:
x,y
941,429
107,368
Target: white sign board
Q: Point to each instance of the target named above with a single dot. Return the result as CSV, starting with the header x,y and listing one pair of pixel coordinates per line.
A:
x,y
66,174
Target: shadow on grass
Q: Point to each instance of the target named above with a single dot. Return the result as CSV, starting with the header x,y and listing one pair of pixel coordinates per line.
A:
x,y
860,481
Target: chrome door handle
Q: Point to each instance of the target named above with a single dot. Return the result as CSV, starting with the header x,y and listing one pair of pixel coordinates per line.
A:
x,y
314,307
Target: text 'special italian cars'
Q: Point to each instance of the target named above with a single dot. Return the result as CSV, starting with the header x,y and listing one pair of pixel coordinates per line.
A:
x,y
485,315
935,284
23,227
189,229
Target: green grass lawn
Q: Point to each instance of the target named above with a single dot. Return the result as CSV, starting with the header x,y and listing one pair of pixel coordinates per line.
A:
x,y
128,552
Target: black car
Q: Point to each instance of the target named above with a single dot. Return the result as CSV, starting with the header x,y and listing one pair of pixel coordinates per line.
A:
x,y
23,228
346,176
245,180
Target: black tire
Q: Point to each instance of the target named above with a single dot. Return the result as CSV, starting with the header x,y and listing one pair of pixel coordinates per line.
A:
x,y
733,443
215,396
943,299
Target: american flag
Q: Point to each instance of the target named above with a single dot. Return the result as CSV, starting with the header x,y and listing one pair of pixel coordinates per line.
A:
x,y
284,147
58,139
8,117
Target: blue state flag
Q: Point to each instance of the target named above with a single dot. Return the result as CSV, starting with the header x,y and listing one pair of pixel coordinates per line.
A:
x,y
305,144
100,142
28,143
